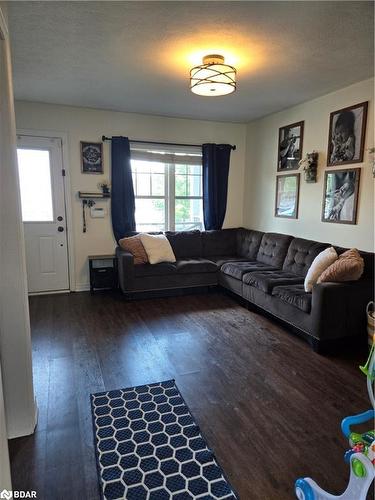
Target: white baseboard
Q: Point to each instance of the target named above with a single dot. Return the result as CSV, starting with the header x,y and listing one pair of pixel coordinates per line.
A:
x,y
27,429
49,292
82,287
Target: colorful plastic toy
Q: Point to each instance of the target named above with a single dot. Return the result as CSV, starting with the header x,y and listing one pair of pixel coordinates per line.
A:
x,y
361,455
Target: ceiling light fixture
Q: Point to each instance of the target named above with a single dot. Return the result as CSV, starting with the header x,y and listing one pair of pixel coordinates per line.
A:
x,y
213,77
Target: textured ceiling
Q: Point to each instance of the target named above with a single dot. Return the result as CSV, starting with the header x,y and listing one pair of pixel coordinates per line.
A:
x,y
136,56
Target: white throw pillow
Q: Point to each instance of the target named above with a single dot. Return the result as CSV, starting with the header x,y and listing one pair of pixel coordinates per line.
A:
x,y
158,248
321,262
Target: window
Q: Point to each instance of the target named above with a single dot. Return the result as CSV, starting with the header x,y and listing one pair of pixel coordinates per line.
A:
x,y
168,189
34,169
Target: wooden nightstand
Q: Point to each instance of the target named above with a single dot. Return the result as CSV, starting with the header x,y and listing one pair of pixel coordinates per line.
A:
x,y
103,272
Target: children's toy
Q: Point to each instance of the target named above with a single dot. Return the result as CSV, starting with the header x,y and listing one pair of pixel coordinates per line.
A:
x,y
361,455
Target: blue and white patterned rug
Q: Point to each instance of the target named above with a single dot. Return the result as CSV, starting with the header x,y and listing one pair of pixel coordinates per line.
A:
x,y
149,447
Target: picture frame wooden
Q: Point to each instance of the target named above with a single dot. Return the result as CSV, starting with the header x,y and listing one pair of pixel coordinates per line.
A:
x,y
286,205
347,134
290,146
340,205
91,157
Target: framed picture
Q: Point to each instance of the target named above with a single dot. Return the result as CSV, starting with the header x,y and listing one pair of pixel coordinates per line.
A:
x,y
92,157
287,195
347,130
290,146
340,197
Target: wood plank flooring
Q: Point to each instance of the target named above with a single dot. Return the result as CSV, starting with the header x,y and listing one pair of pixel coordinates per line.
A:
x,y
268,406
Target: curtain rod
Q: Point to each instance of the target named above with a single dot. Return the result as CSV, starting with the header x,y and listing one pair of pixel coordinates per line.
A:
x,y
104,138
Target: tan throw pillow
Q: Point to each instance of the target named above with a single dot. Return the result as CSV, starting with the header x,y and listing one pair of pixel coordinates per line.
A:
x,y
158,248
133,244
348,267
319,264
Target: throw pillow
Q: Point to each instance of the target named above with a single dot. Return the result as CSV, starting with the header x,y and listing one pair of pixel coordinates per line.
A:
x,y
319,265
348,267
133,244
158,248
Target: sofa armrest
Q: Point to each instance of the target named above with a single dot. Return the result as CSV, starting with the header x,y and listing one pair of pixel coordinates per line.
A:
x,y
125,266
339,309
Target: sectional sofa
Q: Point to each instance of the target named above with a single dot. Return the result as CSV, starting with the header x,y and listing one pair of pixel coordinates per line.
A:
x,y
265,269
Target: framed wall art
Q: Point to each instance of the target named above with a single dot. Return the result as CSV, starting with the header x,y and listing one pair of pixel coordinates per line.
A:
x,y
290,146
340,198
347,131
287,196
91,157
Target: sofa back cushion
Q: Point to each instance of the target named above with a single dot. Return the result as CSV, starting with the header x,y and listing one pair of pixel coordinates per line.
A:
x,y
273,249
248,243
185,243
301,254
220,242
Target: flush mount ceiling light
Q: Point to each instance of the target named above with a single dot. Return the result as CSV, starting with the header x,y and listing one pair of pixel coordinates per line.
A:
x,y
213,77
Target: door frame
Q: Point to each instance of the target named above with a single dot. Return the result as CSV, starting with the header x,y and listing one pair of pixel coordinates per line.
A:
x,y
63,136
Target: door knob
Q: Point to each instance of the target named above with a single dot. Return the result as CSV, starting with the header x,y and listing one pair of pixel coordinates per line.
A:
x,y
59,218
60,229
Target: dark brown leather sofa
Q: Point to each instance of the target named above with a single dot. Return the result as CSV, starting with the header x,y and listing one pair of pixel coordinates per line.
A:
x,y
265,269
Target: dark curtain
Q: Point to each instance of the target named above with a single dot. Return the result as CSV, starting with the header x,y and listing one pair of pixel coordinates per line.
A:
x,y
122,196
216,159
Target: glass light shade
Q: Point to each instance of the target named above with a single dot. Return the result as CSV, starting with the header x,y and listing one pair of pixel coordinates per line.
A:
x,y
213,77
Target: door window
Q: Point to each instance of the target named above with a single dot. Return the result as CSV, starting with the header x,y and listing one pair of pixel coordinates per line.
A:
x,y
34,168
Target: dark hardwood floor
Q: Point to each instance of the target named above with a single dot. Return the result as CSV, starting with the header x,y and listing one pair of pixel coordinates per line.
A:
x,y
268,406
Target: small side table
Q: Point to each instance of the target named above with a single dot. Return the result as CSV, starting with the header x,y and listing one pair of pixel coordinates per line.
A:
x,y
103,272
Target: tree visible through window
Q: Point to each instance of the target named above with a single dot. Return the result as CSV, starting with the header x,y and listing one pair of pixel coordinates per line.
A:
x,y
168,194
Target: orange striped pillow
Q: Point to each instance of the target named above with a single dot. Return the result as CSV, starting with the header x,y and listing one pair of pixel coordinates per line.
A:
x,y
348,267
134,245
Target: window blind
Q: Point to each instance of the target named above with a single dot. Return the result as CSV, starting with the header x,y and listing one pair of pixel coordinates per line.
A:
x,y
183,155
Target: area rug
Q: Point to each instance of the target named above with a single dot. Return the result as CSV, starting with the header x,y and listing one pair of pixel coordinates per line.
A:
x,y
149,447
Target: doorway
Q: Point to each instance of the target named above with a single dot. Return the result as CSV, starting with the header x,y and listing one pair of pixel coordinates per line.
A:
x,y
43,207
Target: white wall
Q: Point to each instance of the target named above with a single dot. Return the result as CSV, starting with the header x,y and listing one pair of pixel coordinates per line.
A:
x,y
82,124
15,342
5,480
261,165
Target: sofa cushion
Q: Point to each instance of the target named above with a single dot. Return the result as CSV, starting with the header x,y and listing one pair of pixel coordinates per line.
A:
x,y
154,269
248,243
273,249
198,265
238,269
185,243
267,280
221,242
294,295
223,259
301,254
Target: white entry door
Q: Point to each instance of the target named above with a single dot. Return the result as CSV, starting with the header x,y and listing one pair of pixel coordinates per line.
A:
x,y
43,213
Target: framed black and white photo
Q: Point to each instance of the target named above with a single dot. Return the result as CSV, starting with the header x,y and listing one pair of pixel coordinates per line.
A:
x,y
290,146
347,130
92,157
340,197
287,196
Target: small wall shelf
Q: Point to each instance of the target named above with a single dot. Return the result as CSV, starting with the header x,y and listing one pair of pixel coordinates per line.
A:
x,y
90,196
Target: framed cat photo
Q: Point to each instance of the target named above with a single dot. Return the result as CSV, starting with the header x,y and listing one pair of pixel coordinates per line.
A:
x,y
347,131
287,196
340,199
91,157
290,146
